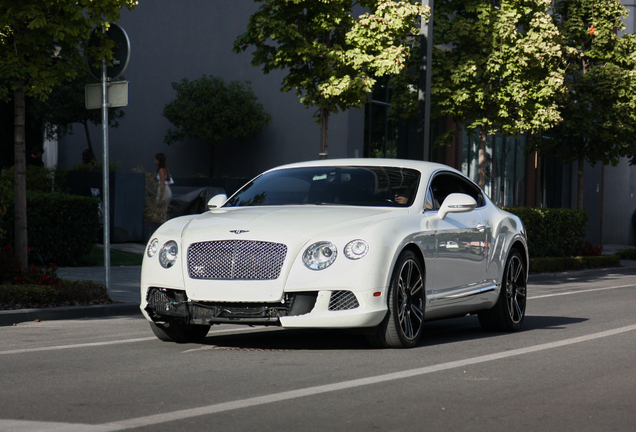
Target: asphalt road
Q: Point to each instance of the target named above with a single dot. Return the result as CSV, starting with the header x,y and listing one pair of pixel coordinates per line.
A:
x,y
572,368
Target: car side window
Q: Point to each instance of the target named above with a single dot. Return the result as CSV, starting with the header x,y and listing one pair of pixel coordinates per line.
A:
x,y
444,184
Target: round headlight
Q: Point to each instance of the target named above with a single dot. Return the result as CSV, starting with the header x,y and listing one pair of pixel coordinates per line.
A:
x,y
356,249
153,246
320,255
168,254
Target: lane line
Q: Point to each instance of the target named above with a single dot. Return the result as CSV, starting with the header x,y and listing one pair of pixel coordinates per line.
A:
x,y
580,291
124,341
345,385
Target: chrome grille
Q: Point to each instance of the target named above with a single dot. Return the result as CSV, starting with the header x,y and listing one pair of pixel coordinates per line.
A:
x,y
236,259
342,300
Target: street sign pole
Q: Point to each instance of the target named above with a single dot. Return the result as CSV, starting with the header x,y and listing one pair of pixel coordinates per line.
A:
x,y
106,177
121,56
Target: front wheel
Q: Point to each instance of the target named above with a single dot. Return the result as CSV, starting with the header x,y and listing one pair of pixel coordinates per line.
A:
x,y
403,324
180,332
510,309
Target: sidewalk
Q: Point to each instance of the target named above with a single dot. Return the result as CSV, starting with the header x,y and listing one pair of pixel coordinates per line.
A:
x,y
124,288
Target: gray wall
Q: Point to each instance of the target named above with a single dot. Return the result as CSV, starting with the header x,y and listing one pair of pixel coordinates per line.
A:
x,y
171,40
619,204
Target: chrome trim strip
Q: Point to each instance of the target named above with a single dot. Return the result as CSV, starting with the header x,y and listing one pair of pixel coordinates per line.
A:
x,y
476,291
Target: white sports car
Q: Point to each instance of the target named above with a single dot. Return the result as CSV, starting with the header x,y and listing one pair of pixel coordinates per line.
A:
x,y
380,245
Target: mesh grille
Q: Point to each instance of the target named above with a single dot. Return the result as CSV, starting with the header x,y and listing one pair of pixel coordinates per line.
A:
x,y
343,300
236,259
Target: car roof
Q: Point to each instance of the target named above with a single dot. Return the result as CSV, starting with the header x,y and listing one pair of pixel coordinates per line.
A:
x,y
426,168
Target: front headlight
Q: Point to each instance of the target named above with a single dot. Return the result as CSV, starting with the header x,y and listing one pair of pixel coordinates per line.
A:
x,y
356,249
168,254
153,246
320,255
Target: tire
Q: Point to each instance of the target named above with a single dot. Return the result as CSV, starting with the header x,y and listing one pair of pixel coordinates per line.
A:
x,y
510,310
179,332
402,326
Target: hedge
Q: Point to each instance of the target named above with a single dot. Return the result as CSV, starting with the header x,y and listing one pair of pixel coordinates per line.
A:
x,y
553,232
61,228
556,265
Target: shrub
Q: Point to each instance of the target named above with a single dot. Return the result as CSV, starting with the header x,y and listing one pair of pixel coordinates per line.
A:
x,y
553,232
41,287
589,250
61,228
627,254
39,179
560,264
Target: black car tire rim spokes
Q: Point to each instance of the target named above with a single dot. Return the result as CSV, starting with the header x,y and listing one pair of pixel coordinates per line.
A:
x,y
410,299
516,289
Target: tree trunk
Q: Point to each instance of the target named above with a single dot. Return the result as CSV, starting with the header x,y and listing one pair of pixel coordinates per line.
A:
x,y
481,167
20,177
324,127
88,137
579,198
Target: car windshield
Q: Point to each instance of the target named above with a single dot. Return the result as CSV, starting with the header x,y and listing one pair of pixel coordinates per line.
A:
x,y
342,185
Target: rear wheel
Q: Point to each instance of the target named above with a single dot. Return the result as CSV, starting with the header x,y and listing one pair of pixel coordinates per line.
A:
x,y
180,332
404,321
510,310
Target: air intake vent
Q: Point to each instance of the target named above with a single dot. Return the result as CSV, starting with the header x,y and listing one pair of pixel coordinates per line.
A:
x,y
343,300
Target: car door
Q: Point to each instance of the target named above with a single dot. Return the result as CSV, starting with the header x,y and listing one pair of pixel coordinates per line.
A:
x,y
458,261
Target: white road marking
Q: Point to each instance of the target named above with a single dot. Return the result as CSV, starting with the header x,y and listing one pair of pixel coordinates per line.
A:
x,y
580,291
117,342
345,385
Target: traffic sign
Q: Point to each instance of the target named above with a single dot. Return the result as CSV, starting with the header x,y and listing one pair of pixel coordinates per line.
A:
x,y
121,53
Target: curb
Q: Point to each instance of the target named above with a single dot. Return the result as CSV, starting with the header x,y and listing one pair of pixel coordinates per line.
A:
x,y
12,317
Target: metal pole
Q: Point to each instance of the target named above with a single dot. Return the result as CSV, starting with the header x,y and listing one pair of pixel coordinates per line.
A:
x,y
106,175
426,48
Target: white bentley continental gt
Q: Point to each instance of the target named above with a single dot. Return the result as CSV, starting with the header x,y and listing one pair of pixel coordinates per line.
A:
x,y
378,245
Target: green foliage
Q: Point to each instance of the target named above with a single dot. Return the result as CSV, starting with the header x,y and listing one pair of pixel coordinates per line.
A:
x,y
598,105
62,228
332,58
627,254
38,179
212,110
117,258
554,265
41,41
553,232
497,65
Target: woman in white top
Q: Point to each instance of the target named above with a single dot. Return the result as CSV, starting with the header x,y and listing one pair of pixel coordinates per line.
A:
x,y
164,179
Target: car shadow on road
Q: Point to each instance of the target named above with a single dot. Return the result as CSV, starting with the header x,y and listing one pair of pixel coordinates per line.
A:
x,y
435,333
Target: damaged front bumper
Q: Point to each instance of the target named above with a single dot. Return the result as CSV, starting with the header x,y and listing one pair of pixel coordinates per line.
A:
x,y
166,305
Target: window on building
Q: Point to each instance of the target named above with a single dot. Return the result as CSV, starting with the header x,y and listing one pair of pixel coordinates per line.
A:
x,y
380,134
505,167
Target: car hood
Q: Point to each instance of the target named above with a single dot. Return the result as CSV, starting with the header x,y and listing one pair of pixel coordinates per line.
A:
x,y
281,223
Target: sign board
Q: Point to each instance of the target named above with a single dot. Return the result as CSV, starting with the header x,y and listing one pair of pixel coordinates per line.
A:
x,y
117,95
121,53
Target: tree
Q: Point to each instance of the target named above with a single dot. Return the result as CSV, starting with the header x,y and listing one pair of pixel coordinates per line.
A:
x,y
211,110
497,67
332,58
598,105
66,105
32,34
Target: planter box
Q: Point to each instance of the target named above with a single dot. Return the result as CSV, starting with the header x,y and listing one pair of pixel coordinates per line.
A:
x,y
127,194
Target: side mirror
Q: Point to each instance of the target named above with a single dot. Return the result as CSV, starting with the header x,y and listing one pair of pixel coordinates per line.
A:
x,y
457,203
217,201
